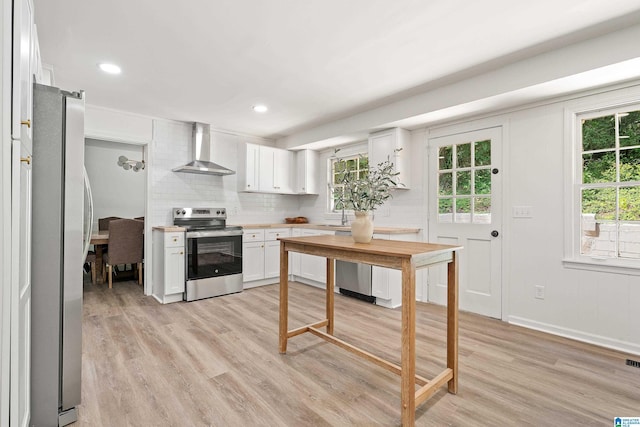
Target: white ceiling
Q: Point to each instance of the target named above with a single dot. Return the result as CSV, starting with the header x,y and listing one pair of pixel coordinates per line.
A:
x,y
310,61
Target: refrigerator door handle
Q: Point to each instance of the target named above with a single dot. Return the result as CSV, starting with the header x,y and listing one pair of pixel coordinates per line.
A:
x,y
89,224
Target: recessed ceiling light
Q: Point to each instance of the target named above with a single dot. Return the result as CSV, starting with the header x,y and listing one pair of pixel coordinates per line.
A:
x,y
260,108
110,68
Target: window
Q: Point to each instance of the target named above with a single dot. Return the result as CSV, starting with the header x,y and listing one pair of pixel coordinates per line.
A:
x,y
608,183
358,165
464,183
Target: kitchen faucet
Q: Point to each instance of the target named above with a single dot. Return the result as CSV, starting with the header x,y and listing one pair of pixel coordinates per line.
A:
x,y
343,220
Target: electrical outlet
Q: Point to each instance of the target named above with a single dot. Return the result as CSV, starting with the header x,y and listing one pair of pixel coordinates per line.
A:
x,y
539,292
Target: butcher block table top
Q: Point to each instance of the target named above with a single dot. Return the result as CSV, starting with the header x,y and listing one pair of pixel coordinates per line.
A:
x,y
401,255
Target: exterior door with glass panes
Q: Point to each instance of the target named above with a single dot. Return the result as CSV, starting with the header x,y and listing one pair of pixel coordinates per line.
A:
x,y
465,188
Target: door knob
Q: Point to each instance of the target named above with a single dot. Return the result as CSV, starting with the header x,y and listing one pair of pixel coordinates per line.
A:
x,y
495,233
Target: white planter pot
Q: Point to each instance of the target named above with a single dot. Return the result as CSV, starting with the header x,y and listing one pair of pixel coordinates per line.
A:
x,y
362,227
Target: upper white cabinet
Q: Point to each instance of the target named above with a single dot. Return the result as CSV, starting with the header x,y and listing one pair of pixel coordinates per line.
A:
x,y
117,126
248,163
23,58
306,172
275,170
265,169
393,145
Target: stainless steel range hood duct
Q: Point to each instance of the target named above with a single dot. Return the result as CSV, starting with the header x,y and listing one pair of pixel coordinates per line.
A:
x,y
201,154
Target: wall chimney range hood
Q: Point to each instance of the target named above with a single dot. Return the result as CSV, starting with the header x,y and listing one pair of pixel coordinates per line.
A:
x,y
201,154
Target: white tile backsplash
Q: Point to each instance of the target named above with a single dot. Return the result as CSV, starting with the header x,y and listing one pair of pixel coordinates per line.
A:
x,y
171,147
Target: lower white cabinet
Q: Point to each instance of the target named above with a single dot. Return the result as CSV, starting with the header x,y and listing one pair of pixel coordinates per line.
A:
x,y
168,265
311,267
386,283
261,255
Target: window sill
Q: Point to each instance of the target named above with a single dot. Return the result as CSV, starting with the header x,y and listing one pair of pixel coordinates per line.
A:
x,y
604,265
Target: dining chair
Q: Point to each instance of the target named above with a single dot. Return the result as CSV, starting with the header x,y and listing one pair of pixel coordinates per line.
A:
x,y
103,223
125,246
91,260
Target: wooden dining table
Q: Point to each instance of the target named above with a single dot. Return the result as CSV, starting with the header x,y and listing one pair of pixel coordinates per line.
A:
x,y
100,240
399,255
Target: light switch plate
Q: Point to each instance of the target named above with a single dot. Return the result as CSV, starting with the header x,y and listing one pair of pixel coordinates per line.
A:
x,y
522,212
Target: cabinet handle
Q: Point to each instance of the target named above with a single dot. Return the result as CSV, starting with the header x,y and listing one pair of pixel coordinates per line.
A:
x,y
26,122
248,185
181,253
26,160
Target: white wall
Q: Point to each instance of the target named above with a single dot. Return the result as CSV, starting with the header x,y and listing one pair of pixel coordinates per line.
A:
x,y
116,192
592,306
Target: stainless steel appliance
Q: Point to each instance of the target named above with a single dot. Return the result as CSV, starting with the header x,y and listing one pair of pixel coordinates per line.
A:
x,y
213,252
58,249
202,153
354,279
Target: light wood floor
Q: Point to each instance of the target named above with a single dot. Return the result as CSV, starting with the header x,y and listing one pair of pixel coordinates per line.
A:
x,y
215,362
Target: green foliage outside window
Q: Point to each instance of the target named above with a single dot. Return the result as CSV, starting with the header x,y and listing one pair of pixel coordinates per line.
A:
x,y
605,162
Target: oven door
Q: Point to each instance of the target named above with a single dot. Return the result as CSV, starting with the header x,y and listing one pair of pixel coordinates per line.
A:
x,y
213,254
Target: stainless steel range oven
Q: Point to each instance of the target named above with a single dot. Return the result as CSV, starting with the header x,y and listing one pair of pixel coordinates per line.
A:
x,y
213,252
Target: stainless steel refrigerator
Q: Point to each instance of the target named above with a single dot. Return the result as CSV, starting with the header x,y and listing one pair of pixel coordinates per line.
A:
x,y
59,241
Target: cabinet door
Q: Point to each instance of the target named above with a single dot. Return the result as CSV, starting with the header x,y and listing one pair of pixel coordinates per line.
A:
x,y
267,167
21,285
307,168
392,145
174,270
380,282
253,261
22,96
313,267
251,168
283,171
271,259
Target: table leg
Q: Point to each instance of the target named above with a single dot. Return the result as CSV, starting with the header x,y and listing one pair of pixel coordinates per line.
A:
x,y
284,297
408,375
330,285
98,263
452,322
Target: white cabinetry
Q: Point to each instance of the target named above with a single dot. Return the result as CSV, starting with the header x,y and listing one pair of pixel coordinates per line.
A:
x,y
306,172
261,256
266,169
386,283
118,126
313,269
393,145
168,265
23,58
248,164
275,170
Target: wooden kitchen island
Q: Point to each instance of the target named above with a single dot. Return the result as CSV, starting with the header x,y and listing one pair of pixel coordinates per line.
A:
x,y
400,255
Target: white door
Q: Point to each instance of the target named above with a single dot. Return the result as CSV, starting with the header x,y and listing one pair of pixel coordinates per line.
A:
x,y
465,188
21,286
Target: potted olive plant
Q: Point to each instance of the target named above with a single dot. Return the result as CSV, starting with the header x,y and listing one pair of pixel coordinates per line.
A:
x,y
363,192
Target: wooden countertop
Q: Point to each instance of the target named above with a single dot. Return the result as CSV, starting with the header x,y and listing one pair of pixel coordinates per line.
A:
x,y
379,230
169,228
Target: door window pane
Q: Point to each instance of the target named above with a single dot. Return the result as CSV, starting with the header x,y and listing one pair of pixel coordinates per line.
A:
x,y
445,210
482,210
463,210
463,182
445,184
445,157
482,181
463,155
483,153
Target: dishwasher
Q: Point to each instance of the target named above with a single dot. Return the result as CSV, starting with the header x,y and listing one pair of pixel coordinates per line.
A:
x,y
354,278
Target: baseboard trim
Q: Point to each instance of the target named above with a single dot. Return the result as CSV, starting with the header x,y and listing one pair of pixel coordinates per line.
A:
x,y
598,340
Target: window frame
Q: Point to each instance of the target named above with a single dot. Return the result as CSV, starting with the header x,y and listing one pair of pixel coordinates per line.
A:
x,y
331,173
574,114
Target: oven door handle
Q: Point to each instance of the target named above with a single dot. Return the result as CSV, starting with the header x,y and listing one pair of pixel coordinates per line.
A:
x,y
220,233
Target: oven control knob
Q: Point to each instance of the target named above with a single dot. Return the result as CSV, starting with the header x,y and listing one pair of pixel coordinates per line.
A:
x,y
178,212
222,212
183,212
218,212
